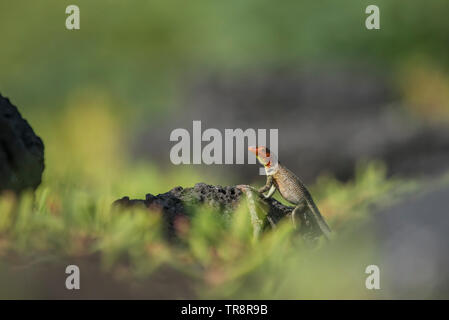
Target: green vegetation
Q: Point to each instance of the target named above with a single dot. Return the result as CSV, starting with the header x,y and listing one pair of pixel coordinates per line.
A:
x,y
71,219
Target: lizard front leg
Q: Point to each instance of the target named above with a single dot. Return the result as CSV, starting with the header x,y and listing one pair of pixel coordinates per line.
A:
x,y
270,192
269,186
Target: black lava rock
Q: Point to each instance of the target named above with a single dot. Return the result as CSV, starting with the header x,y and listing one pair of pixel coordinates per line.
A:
x,y
21,151
179,202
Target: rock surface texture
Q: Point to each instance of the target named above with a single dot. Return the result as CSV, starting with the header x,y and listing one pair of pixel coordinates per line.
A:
x,y
21,151
177,203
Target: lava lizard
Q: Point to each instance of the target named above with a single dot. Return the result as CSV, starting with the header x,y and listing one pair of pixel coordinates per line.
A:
x,y
289,186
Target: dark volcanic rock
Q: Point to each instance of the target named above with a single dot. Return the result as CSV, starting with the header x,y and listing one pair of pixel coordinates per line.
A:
x,y
177,203
21,151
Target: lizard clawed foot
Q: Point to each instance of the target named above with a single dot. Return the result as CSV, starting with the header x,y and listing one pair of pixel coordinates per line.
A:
x,y
294,220
243,187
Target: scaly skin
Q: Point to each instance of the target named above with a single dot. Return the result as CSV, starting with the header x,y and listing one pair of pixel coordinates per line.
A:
x,y
289,186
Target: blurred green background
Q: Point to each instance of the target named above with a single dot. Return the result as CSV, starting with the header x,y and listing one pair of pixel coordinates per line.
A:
x,y
128,65
89,94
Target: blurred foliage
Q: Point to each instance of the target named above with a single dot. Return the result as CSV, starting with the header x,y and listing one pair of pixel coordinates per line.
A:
x,y
425,88
219,254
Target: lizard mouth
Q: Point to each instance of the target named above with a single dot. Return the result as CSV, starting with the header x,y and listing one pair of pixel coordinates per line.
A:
x,y
253,150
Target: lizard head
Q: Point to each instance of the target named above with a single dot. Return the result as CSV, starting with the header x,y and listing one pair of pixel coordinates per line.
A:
x,y
264,155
